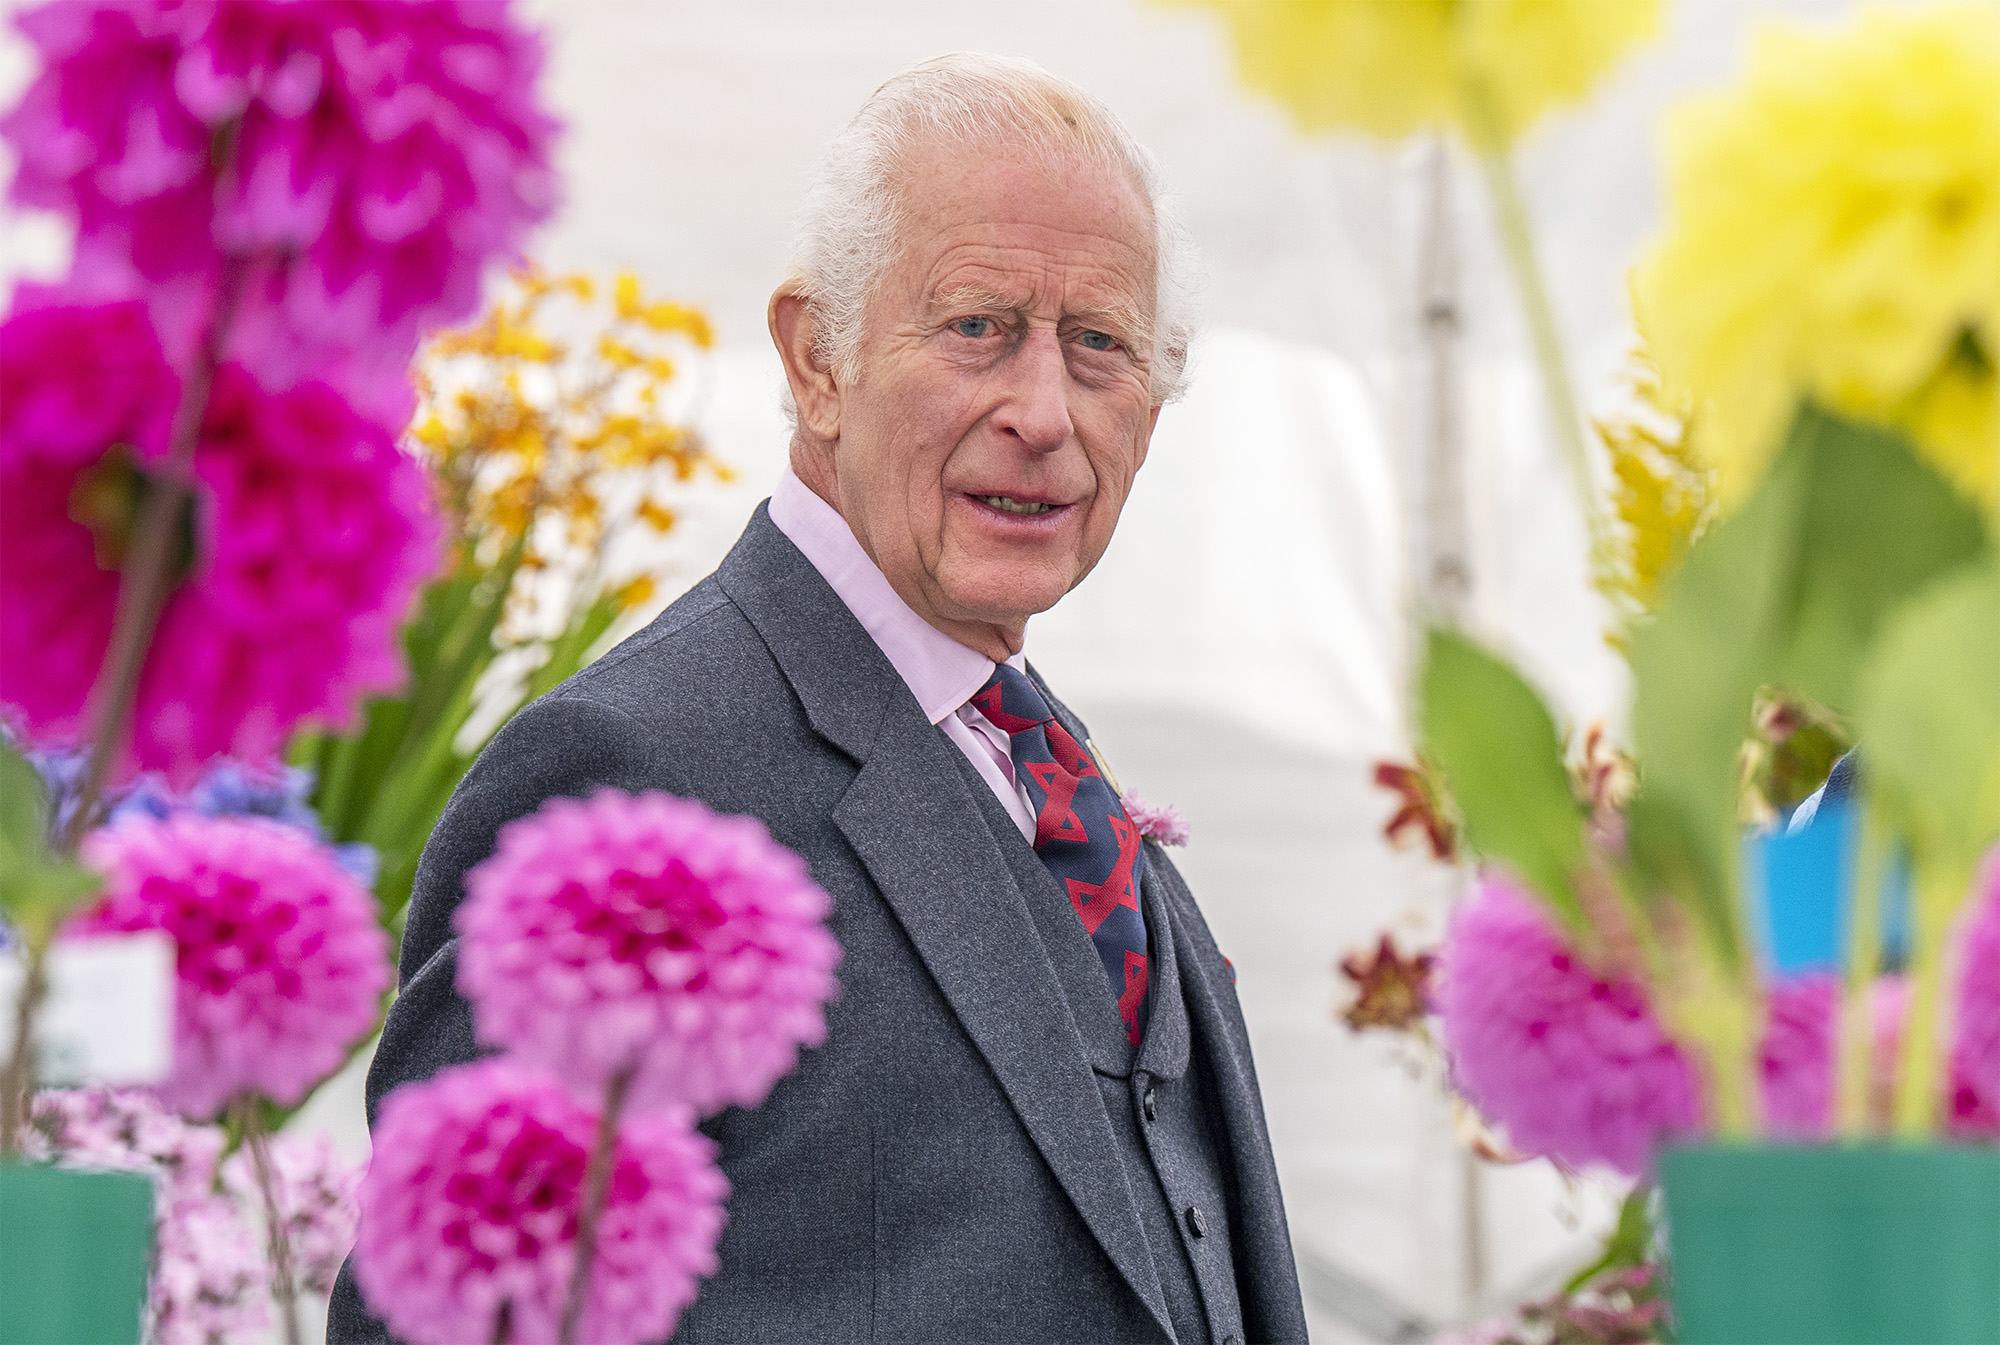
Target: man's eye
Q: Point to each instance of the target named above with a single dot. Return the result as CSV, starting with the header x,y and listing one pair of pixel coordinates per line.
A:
x,y
1097,341
974,328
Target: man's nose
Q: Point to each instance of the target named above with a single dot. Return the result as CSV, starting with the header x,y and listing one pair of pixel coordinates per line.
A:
x,y
1036,408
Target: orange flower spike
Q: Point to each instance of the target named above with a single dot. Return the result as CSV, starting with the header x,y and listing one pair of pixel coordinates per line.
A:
x,y
1391,991
1421,816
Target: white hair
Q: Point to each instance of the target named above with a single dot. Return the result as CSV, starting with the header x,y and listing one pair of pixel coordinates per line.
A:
x,y
846,234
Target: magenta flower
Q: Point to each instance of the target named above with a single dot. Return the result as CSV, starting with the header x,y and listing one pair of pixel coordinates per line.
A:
x,y
647,932
1163,824
1975,1053
1573,1064
312,534
280,963
1797,1056
376,157
470,1207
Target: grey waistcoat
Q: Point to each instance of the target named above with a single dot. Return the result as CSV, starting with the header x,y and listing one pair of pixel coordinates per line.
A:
x,y
968,1157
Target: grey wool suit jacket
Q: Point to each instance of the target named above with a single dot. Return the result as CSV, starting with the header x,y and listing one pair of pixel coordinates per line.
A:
x,y
944,1167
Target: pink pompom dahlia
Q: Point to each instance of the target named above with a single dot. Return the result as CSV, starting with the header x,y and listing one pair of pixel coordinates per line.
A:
x,y
366,159
280,964
1573,1064
1975,1053
471,1203
647,933
312,532
1802,1019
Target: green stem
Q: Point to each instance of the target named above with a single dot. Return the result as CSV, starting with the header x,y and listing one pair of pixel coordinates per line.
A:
x,y
277,1244
596,1184
1938,891
1510,216
1864,965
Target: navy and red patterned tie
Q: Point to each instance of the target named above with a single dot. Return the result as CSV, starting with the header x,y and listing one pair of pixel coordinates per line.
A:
x,y
1081,833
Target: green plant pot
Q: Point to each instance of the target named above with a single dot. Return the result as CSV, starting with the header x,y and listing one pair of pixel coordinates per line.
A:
x,y
1834,1245
75,1251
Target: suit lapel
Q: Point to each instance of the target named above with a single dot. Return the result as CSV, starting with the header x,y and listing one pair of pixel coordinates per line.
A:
x,y
916,827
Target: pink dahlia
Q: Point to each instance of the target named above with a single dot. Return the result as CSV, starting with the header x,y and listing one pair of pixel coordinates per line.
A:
x,y
1797,1056
647,932
471,1202
377,156
1975,1052
312,533
1163,824
1573,1064
280,962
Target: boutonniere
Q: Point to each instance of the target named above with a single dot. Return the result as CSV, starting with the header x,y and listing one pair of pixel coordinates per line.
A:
x,y
1163,824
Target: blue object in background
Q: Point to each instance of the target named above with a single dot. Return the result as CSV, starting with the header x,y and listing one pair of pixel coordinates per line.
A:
x,y
1807,880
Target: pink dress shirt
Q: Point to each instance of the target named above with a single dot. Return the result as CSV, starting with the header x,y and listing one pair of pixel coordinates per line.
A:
x,y
939,671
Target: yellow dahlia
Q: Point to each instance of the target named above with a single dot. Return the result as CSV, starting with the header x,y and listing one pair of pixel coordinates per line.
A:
x,y
1834,231
1391,67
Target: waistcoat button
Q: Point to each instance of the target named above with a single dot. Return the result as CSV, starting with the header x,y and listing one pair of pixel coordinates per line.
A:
x,y
1151,1105
1196,1224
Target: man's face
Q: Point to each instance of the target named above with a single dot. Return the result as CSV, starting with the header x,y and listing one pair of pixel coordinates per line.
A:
x,y
1003,402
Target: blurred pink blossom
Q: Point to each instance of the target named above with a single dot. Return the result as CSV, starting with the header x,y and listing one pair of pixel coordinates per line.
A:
x,y
1797,1056
1573,1064
365,159
646,930
1975,1054
318,1195
313,532
471,1203
208,1283
280,962
1163,824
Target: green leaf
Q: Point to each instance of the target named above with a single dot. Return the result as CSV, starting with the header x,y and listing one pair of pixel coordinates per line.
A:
x,y
1630,1243
37,890
1496,745
1929,714
1790,591
21,806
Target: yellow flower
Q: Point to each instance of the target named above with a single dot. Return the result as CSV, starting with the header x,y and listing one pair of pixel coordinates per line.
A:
x,y
1662,492
1834,231
1390,67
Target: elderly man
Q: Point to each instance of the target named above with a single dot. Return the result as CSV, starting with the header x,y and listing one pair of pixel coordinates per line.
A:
x,y
1035,1116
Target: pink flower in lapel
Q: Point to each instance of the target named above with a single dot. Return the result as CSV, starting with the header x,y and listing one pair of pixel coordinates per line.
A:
x,y
647,933
1163,824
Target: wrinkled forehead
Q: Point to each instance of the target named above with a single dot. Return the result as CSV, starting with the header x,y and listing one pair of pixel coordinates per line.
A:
x,y
1008,216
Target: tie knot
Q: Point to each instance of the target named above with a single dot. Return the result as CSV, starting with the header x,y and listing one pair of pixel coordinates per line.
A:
x,y
1011,701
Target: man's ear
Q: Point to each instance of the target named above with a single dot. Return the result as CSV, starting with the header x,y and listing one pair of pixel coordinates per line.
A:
x,y
794,329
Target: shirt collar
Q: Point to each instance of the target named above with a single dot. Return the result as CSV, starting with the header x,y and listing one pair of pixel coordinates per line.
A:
x,y
940,672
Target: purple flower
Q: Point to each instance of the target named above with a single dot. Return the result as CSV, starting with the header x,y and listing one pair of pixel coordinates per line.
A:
x,y
1975,1052
312,533
471,1202
318,1197
280,963
1573,1064
1163,824
231,789
368,158
647,932
208,1282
